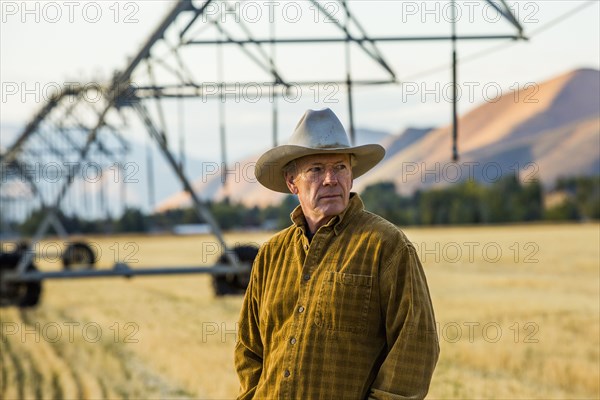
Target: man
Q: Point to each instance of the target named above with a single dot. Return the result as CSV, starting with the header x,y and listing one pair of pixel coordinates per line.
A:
x,y
338,305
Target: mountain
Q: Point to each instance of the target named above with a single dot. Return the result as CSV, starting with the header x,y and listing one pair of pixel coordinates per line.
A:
x,y
395,143
544,131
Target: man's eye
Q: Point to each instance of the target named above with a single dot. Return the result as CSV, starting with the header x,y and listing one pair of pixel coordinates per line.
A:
x,y
315,170
341,167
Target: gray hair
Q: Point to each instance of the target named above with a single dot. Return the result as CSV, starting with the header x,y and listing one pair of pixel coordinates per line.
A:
x,y
289,168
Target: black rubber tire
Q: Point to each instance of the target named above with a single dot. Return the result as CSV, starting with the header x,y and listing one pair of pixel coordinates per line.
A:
x,y
78,255
20,294
232,284
31,292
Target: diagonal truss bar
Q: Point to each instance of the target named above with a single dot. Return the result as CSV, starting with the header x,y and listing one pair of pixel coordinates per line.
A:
x,y
200,208
351,18
242,44
374,56
32,127
182,66
179,7
273,69
158,104
50,145
197,12
507,13
170,69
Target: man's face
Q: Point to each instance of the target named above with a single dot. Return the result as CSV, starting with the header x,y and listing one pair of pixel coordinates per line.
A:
x,y
322,183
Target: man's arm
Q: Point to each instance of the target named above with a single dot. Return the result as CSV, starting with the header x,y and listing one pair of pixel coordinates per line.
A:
x,y
249,347
412,344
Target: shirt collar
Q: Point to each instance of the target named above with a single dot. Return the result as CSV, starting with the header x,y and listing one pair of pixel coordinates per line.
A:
x,y
338,222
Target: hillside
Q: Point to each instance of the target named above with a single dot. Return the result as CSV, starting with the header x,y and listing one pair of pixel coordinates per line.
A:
x,y
547,130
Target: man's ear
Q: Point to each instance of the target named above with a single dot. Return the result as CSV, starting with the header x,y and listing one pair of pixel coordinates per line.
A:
x,y
352,162
289,181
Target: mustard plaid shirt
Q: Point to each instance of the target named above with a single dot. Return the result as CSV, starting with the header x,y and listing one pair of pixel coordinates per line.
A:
x,y
344,316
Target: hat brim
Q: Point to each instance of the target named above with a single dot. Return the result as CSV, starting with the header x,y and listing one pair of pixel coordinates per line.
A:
x,y
269,167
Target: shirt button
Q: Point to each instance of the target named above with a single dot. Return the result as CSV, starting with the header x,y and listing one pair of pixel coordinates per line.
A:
x,y
293,340
286,373
306,247
300,309
306,277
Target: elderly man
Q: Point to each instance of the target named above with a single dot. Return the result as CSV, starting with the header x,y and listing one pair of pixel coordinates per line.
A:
x,y
338,305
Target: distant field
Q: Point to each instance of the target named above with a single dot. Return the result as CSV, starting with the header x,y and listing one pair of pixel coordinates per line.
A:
x,y
518,311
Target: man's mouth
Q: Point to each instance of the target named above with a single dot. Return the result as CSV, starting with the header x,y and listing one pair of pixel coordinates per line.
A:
x,y
329,196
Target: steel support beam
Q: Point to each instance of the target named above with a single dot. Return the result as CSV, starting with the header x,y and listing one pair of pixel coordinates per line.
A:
x,y
124,271
308,40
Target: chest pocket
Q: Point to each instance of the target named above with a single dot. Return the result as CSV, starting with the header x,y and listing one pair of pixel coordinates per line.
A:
x,y
343,303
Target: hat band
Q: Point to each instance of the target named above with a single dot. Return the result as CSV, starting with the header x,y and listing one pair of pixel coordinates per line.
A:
x,y
332,146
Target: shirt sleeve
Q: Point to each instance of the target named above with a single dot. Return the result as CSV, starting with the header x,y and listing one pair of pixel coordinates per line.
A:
x,y
412,342
249,347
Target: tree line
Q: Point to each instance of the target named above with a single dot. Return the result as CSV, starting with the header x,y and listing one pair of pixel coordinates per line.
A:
x,y
505,201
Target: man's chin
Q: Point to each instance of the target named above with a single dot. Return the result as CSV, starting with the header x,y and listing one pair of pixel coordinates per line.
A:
x,y
334,208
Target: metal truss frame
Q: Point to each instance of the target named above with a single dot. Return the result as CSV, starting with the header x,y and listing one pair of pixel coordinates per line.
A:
x,y
98,133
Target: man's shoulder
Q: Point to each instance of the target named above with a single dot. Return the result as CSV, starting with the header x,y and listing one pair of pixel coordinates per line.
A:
x,y
377,225
280,238
272,249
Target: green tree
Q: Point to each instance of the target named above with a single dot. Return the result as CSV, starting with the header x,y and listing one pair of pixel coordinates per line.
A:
x,y
531,202
288,205
567,211
382,199
132,220
466,203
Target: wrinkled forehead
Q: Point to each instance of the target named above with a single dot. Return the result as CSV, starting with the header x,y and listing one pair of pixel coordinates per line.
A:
x,y
323,159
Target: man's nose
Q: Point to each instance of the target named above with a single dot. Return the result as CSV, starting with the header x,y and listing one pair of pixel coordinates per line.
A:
x,y
330,177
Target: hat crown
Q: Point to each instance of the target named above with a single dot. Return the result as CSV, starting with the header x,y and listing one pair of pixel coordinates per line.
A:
x,y
320,129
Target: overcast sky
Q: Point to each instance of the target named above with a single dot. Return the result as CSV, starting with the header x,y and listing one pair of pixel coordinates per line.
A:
x,y
45,44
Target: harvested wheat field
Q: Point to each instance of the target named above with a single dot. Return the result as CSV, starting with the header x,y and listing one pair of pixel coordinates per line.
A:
x,y
517,309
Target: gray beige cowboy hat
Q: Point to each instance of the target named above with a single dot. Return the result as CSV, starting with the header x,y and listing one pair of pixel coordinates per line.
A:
x,y
318,132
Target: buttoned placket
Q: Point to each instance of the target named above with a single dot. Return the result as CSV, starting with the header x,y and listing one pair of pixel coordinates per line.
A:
x,y
299,319
312,252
